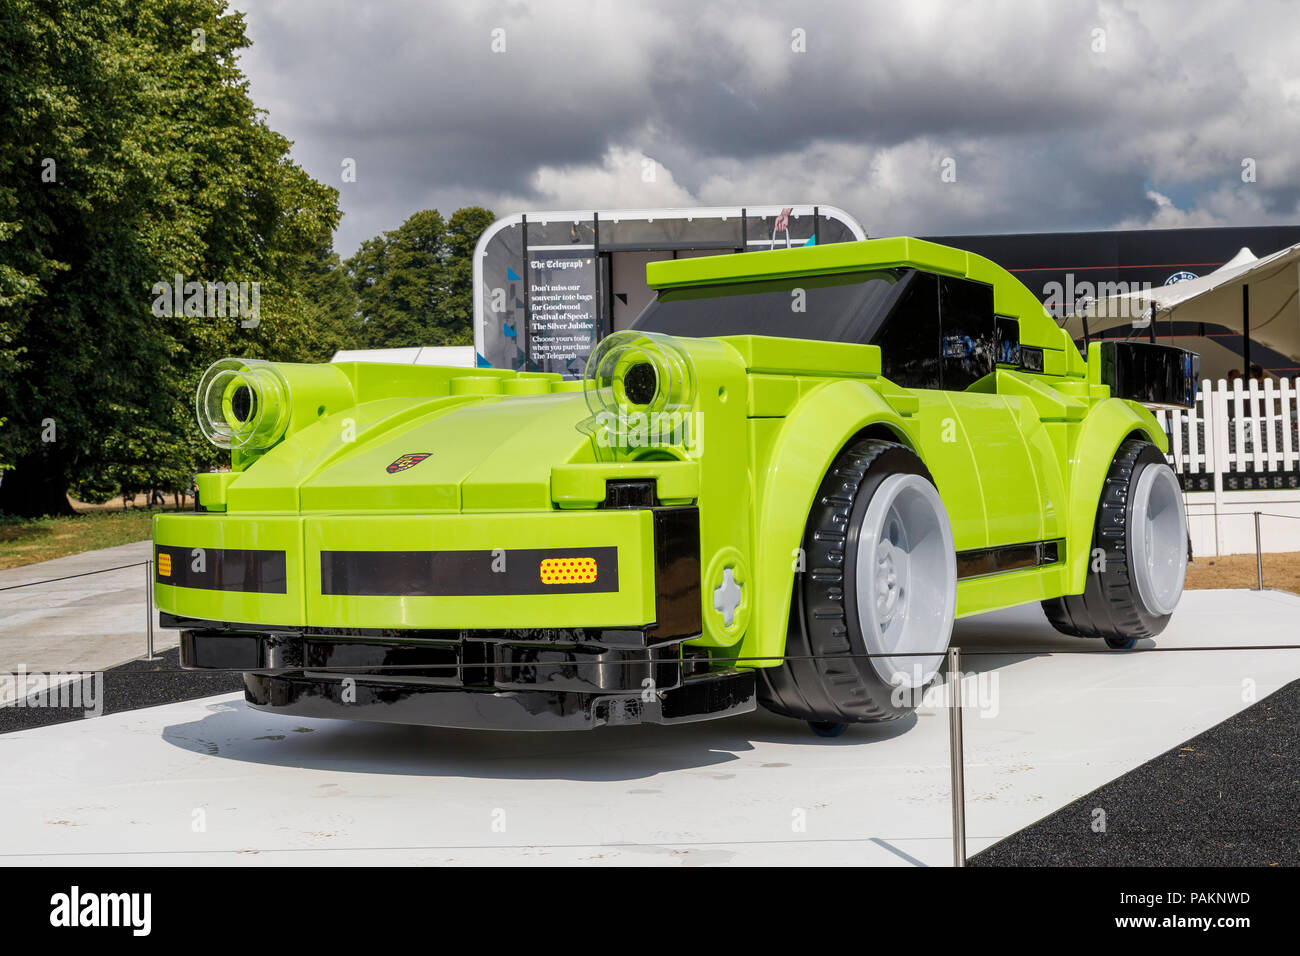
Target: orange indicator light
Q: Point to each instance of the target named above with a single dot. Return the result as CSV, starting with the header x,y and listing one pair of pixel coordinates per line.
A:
x,y
568,570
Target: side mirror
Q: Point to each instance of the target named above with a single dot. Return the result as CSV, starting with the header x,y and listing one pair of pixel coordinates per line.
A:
x,y
1158,376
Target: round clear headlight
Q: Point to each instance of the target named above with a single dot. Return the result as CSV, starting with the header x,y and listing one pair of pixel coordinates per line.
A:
x,y
640,387
243,404
644,372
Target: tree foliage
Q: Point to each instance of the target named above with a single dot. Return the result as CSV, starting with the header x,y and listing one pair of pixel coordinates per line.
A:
x,y
132,153
414,284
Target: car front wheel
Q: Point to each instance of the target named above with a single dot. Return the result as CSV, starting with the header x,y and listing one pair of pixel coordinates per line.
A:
x,y
872,613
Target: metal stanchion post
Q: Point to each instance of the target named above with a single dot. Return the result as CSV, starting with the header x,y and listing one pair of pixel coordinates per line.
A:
x,y
955,757
1259,558
148,609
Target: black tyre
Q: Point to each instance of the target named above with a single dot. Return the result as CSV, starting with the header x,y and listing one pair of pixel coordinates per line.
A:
x,y
1139,553
879,578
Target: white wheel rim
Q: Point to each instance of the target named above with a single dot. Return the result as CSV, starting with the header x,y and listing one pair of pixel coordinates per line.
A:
x,y
906,579
1157,535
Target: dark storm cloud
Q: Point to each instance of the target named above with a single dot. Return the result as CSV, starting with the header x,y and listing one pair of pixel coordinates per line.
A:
x,y
1049,123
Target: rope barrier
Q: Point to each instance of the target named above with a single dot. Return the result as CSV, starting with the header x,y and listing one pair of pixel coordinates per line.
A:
x,y
69,577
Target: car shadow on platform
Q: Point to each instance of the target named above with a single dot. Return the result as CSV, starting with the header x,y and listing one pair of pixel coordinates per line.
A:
x,y
1001,638
233,731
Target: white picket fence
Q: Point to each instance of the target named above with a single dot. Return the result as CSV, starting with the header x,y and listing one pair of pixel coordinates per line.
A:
x,y
1237,451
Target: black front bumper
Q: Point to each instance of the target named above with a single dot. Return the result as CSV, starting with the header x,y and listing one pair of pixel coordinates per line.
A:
x,y
698,698
533,680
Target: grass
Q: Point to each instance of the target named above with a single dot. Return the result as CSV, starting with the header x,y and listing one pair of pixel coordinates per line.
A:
x,y
28,540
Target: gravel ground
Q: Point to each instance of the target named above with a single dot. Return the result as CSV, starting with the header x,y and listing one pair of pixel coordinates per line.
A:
x,y
1228,797
131,686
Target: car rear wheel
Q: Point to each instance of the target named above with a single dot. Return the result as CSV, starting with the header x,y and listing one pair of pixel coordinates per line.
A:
x,y
880,580
1139,553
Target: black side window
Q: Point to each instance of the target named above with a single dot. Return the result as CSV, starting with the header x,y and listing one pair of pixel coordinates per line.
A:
x,y
1008,330
969,333
909,339
941,333
834,308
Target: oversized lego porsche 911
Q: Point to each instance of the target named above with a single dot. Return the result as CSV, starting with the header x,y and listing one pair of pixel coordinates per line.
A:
x,y
780,486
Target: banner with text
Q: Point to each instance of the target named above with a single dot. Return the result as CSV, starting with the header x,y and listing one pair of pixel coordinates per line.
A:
x,y
563,321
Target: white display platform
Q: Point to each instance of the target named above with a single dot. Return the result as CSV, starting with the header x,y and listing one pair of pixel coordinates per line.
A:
x,y
755,790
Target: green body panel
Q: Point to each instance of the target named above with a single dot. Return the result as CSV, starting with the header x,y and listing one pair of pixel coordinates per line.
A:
x,y
630,606
513,463
266,533
304,538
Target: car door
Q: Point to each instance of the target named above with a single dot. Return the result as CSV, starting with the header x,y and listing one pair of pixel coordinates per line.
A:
x,y
987,423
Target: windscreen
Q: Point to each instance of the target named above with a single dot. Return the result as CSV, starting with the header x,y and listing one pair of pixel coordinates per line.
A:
x,y
836,308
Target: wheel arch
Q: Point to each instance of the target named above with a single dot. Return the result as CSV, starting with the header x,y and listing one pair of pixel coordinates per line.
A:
x,y
810,438
1110,423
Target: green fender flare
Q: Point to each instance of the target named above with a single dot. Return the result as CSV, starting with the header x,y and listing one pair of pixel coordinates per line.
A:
x,y
809,439
1104,429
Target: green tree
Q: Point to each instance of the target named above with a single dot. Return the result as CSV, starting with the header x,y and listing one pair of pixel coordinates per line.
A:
x,y
16,288
331,302
131,153
414,285
463,232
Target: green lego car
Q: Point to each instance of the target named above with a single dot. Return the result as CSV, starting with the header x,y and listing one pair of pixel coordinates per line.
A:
x,y
781,485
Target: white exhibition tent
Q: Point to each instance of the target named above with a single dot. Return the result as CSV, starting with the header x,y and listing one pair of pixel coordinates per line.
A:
x,y
1255,297
456,356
